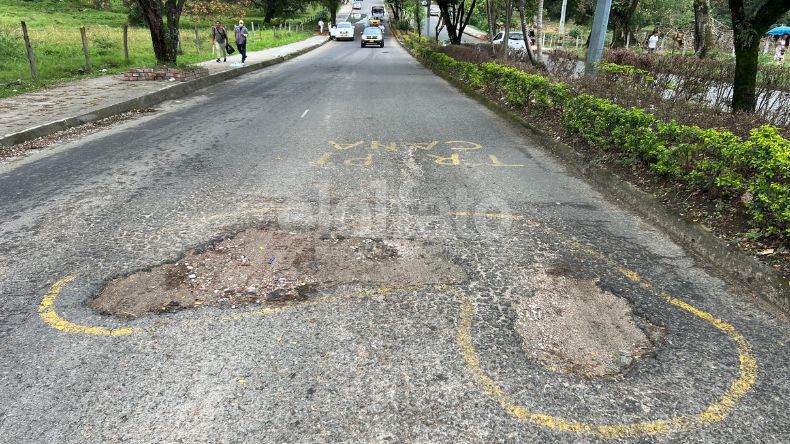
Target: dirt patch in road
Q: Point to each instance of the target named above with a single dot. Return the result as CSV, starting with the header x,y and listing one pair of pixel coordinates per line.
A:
x,y
269,266
571,325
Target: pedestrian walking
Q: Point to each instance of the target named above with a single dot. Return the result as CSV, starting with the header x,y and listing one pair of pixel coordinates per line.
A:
x,y
220,37
781,48
241,39
320,26
652,42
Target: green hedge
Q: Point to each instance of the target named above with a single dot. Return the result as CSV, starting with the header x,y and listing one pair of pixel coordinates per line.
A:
x,y
756,169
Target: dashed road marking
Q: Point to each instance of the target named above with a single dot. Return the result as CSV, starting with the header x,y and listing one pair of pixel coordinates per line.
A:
x,y
304,113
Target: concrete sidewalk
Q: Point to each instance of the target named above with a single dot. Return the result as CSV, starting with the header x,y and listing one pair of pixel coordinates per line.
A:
x,y
476,33
44,112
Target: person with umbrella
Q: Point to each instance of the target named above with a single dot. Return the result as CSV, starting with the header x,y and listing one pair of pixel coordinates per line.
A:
x,y
781,48
782,40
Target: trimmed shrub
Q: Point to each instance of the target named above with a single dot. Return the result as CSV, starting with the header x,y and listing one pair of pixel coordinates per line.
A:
x,y
754,168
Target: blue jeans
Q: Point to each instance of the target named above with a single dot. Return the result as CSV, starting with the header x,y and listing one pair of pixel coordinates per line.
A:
x,y
242,50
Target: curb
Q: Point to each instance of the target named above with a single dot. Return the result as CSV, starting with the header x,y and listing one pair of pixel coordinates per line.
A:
x,y
147,100
736,266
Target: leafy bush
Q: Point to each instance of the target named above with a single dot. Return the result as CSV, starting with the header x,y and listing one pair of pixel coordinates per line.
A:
x,y
755,168
136,15
402,25
576,33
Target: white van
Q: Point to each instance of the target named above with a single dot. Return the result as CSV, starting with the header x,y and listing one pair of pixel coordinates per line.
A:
x,y
377,12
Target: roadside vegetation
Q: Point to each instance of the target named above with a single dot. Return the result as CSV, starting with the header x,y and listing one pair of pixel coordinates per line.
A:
x,y
702,120
736,181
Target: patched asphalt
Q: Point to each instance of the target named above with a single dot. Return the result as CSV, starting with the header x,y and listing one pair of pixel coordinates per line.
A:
x,y
340,142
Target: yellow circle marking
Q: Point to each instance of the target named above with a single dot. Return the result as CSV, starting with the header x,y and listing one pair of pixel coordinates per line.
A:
x,y
50,316
46,311
715,412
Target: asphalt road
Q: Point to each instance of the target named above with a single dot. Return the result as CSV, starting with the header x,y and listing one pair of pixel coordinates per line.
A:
x,y
362,143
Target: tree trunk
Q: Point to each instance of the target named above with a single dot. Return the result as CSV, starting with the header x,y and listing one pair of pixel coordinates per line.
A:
x,y
491,30
164,36
506,31
268,14
539,33
620,20
447,16
747,51
525,31
747,30
561,30
703,34
418,16
456,17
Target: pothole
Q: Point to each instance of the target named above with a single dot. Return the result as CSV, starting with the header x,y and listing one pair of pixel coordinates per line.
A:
x,y
270,266
571,325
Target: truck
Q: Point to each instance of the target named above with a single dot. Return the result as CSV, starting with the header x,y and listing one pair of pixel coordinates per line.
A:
x,y
377,12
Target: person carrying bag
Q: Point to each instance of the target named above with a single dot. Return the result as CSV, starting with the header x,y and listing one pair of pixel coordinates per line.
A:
x,y
221,45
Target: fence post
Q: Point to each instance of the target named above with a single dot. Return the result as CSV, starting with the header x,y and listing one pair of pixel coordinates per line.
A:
x,y
252,33
197,38
126,43
30,57
85,48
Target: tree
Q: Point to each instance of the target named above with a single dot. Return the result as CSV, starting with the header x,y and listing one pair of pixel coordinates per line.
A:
x,y
456,16
750,22
522,7
397,7
491,21
506,33
201,10
164,34
620,20
332,6
418,16
703,34
538,33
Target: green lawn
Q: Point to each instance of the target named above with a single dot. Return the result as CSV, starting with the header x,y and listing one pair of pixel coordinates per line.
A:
x,y
53,26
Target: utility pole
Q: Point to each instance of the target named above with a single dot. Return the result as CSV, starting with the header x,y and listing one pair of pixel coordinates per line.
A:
x,y
597,37
562,21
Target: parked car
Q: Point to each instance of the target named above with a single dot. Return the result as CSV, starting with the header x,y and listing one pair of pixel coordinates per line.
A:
x,y
344,31
357,5
515,40
435,10
372,36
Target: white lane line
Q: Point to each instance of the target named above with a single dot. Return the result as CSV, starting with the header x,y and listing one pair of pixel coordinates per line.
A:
x,y
304,113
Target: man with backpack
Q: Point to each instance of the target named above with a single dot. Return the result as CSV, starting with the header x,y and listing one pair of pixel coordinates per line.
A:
x,y
220,37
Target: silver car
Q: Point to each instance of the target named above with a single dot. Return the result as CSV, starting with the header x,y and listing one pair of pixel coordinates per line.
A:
x,y
372,36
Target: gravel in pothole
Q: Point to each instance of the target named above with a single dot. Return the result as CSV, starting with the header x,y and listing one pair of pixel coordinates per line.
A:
x,y
266,266
571,325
